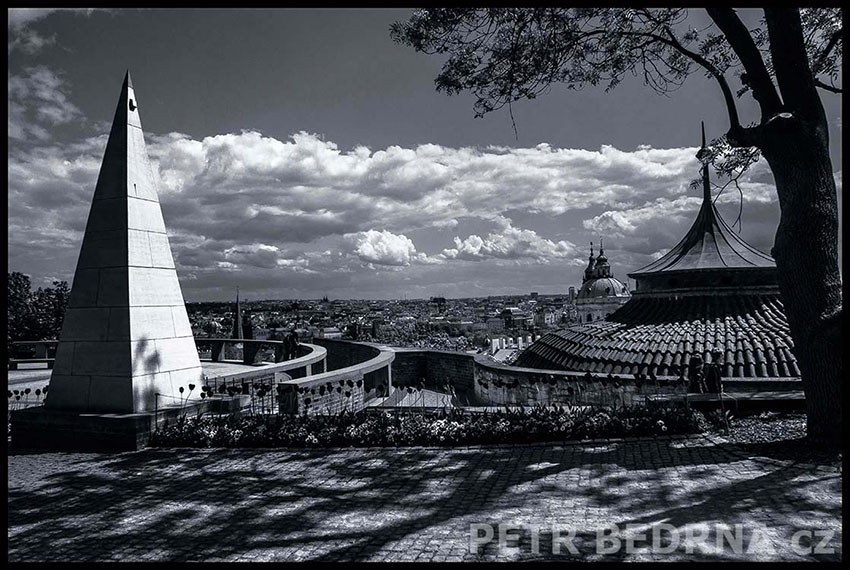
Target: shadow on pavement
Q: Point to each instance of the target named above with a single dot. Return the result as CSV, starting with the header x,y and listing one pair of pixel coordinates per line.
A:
x,y
181,504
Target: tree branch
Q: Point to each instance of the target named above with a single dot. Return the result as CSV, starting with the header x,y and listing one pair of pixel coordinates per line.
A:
x,y
731,108
827,87
833,40
745,136
742,43
791,62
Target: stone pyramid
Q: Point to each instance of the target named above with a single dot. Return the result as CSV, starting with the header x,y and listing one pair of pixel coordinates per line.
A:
x,y
126,344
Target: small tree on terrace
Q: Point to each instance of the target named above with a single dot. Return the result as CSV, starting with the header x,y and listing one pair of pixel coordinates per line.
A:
x,y
19,314
503,55
48,308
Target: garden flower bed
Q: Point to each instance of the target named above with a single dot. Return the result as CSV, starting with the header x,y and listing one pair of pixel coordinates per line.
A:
x,y
406,428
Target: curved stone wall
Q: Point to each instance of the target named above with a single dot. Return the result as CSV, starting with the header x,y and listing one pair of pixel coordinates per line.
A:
x,y
367,375
475,379
497,384
479,380
344,353
309,363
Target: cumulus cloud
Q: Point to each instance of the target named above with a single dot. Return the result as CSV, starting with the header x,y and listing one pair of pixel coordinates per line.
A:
x,y
38,100
288,211
20,17
629,221
385,248
509,242
426,186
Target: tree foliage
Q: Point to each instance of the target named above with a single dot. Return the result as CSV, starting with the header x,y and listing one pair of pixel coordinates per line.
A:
x,y
502,55
35,315
19,309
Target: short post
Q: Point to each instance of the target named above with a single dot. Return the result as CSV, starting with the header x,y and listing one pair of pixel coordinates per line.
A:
x,y
217,350
249,351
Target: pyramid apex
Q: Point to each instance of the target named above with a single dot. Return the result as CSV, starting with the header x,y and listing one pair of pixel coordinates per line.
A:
x,y
128,82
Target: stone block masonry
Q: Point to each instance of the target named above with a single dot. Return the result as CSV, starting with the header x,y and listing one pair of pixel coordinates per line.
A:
x,y
529,387
126,339
355,373
438,369
477,380
342,354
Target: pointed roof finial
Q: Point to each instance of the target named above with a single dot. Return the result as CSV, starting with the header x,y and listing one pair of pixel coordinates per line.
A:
x,y
600,246
702,153
591,249
127,81
721,250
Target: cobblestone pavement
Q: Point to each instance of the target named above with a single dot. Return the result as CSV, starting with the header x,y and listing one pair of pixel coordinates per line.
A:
x,y
418,503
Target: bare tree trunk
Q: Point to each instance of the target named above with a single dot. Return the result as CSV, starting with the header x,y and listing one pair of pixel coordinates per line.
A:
x,y
806,253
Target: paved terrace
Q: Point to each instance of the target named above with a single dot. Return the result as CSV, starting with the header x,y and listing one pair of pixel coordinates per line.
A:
x,y
416,503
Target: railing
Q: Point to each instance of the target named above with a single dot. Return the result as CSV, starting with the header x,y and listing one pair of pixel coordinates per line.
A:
x,y
262,387
44,351
42,348
263,384
273,391
251,349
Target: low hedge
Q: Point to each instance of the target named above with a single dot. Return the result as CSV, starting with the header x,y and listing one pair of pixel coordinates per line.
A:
x,y
450,428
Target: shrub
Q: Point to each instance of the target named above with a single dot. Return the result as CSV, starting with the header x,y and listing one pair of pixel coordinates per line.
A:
x,y
450,427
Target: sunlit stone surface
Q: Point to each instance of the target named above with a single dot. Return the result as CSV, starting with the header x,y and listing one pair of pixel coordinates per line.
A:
x,y
126,343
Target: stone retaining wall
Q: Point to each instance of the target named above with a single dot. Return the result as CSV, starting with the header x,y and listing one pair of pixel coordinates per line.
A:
x,y
38,427
436,368
342,354
477,379
497,384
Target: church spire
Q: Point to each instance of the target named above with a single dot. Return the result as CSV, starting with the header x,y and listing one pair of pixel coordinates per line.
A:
x,y
591,263
237,318
602,268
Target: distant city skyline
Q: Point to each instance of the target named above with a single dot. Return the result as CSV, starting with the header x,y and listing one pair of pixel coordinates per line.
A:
x,y
302,153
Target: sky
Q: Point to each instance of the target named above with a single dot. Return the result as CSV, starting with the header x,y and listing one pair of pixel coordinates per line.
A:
x,y
301,153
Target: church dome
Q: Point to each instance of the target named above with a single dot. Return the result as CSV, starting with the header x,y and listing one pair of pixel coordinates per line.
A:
x,y
601,288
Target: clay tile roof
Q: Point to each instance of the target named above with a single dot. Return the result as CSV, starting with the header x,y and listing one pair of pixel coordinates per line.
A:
x,y
760,346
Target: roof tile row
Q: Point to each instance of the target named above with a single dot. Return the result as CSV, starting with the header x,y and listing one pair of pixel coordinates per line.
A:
x,y
660,336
